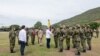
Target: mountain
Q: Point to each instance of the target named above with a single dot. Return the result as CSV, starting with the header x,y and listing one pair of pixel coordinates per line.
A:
x,y
86,17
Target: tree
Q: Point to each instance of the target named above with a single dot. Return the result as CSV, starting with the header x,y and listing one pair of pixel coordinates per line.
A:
x,y
38,25
94,25
16,27
4,28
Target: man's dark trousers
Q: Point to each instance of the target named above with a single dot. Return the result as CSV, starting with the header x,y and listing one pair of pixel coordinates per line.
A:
x,y
48,42
22,47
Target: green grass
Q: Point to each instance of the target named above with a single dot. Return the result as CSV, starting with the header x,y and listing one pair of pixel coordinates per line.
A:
x,y
36,50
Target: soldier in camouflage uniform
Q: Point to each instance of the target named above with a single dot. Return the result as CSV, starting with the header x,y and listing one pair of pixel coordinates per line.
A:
x,y
73,37
61,35
77,39
68,36
97,33
89,36
12,37
33,33
17,32
55,31
83,38
27,36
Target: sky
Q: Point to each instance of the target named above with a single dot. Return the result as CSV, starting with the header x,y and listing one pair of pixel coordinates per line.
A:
x,y
28,12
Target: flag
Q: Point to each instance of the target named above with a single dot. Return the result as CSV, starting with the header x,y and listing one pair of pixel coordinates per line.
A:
x,y
49,24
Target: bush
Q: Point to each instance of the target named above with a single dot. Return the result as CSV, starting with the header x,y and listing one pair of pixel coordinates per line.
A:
x,y
94,25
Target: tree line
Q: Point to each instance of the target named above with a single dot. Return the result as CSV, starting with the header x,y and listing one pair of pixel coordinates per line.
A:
x,y
37,25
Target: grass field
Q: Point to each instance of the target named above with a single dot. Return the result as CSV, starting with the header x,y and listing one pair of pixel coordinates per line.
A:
x,y
36,50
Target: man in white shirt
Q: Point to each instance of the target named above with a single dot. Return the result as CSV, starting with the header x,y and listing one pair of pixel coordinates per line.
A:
x,y
48,37
22,39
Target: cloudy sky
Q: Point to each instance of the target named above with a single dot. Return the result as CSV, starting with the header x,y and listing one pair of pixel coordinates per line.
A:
x,y
28,12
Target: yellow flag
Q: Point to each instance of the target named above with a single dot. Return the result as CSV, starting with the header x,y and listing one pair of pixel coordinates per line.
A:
x,y
49,24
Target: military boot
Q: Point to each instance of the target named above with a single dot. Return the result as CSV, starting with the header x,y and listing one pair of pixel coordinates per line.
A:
x,y
84,50
78,53
89,48
68,48
11,51
61,50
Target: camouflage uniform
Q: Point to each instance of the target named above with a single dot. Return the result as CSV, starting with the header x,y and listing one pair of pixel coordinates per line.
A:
x,y
68,36
17,32
56,37
89,36
97,33
73,37
83,38
77,39
27,37
33,37
12,37
61,36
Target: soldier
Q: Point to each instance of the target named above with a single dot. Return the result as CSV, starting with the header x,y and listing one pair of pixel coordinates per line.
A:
x,y
33,36
12,37
17,32
61,36
55,31
40,36
77,39
97,33
89,36
73,37
27,38
83,38
68,35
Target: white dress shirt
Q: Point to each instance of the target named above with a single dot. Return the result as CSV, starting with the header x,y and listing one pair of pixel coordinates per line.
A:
x,y
48,33
22,35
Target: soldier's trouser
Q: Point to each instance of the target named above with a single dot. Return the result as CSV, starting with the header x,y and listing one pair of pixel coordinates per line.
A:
x,y
73,41
12,43
83,43
27,40
97,34
40,40
77,46
68,42
89,42
60,44
32,39
56,41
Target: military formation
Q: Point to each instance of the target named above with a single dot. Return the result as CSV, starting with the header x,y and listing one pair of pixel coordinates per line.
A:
x,y
81,36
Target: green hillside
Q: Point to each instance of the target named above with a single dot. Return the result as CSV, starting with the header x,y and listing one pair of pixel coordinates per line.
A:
x,y
86,17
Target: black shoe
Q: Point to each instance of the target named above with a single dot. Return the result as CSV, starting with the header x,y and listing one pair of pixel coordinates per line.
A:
x,y
84,50
89,48
78,53
68,48
12,51
61,50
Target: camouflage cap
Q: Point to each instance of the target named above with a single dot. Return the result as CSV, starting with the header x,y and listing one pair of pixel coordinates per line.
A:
x,y
67,26
13,28
73,27
78,26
